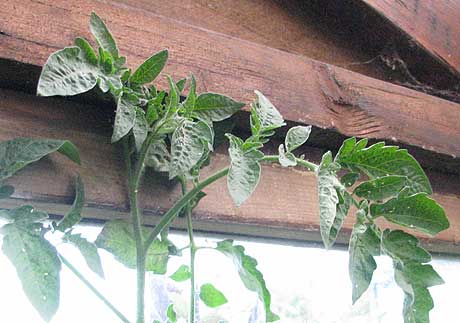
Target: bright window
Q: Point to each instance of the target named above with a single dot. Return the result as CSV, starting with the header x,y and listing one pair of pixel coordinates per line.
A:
x,y
308,284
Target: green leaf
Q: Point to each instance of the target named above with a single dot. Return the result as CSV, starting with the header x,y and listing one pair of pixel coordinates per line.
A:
x,y
244,172
102,35
349,179
267,115
364,245
216,107
296,137
381,188
403,247
117,238
69,72
411,274
36,263
150,69
88,251
125,116
181,274
74,215
211,296
23,214
173,100
86,48
158,156
190,101
334,201
417,211
17,153
379,160
286,159
251,277
181,84
140,128
188,144
171,314
6,191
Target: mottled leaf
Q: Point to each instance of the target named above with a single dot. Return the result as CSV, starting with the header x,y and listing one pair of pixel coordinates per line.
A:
x,y
416,211
158,156
244,172
296,137
216,107
74,215
211,296
117,238
334,201
267,115
189,142
140,128
102,35
69,72
88,251
381,188
17,153
286,159
125,117
150,69
379,160
251,277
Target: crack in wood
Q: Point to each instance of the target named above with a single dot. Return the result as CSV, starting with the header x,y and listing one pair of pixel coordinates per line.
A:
x,y
346,107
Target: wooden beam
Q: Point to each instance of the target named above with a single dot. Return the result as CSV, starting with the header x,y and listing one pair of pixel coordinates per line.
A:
x,y
291,26
431,24
305,90
291,212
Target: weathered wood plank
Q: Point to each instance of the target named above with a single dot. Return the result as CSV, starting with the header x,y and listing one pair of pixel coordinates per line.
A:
x,y
432,24
291,212
291,26
305,90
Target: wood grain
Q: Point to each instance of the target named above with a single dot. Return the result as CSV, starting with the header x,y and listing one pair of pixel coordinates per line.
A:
x,y
291,211
432,24
305,90
292,26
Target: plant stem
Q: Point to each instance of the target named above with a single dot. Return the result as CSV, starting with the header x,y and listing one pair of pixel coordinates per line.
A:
x,y
301,162
133,185
93,289
172,212
188,214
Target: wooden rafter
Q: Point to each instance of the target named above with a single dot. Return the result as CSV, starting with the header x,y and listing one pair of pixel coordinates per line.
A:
x,y
305,90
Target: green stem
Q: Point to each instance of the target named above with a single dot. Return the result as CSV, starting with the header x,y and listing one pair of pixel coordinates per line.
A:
x,y
188,213
301,162
172,212
93,289
133,185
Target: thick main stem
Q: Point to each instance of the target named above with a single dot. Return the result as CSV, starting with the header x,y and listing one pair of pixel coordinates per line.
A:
x,y
133,185
188,214
93,289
